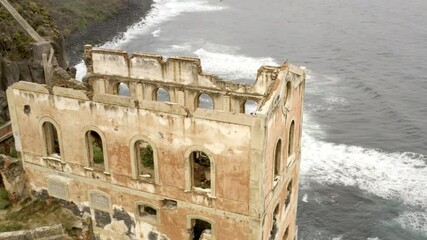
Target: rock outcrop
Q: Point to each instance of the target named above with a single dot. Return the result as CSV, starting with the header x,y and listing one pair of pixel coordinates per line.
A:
x,y
20,57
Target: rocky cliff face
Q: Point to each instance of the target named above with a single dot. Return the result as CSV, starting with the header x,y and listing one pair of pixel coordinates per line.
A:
x,y
79,21
17,52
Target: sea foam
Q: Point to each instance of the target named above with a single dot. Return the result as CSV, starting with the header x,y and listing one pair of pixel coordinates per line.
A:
x,y
161,12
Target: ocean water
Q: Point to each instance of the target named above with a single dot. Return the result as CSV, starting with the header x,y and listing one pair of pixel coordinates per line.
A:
x,y
364,145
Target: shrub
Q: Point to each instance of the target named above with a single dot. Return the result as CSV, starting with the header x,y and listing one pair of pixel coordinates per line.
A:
x,y
98,155
147,157
8,227
4,199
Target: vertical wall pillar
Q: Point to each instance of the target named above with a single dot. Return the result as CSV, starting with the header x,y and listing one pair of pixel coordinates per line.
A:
x,y
226,103
180,97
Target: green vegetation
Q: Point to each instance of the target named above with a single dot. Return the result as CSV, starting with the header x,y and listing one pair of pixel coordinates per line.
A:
x,y
14,41
147,157
8,227
23,43
75,15
98,155
14,153
41,213
4,199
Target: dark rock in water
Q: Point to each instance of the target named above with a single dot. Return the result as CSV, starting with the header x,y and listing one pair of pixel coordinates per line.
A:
x,y
10,73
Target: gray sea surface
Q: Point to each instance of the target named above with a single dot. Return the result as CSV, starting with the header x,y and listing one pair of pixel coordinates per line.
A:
x,y
364,164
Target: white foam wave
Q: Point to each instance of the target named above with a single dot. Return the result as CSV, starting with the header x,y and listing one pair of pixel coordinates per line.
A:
x,y
400,176
413,220
230,66
335,100
305,197
161,12
81,70
156,33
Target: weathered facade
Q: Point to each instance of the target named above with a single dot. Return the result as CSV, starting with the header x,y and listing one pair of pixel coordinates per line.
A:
x,y
157,149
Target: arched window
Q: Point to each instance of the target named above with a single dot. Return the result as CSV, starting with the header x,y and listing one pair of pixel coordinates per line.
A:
x,y
50,135
277,159
286,235
161,95
205,101
288,194
288,93
200,229
147,212
291,142
95,150
250,107
200,170
122,89
274,228
145,159
143,154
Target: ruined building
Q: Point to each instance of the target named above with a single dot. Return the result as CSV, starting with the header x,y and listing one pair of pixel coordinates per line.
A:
x,y
157,149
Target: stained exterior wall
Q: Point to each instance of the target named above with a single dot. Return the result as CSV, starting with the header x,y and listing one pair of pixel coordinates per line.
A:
x,y
242,198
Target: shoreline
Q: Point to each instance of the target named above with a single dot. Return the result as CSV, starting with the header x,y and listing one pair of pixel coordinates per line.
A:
x,y
105,30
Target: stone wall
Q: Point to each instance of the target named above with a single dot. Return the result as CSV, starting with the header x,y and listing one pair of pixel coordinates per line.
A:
x,y
244,188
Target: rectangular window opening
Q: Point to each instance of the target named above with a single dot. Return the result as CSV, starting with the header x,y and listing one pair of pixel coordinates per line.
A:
x,y
147,213
51,140
95,149
201,169
145,157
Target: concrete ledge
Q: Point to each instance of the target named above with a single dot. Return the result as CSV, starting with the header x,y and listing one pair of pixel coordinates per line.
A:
x,y
237,118
114,100
36,233
294,69
31,87
166,107
70,93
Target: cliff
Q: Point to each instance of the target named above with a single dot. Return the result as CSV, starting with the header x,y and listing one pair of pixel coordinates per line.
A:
x,y
94,22
16,47
78,21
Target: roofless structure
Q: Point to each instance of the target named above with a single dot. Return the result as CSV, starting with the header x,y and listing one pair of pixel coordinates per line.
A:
x,y
155,148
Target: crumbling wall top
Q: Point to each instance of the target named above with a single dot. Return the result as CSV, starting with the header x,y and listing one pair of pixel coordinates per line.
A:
x,y
186,71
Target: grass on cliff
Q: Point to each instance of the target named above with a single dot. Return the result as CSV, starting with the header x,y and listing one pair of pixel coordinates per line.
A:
x,y
75,15
4,199
14,41
37,214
